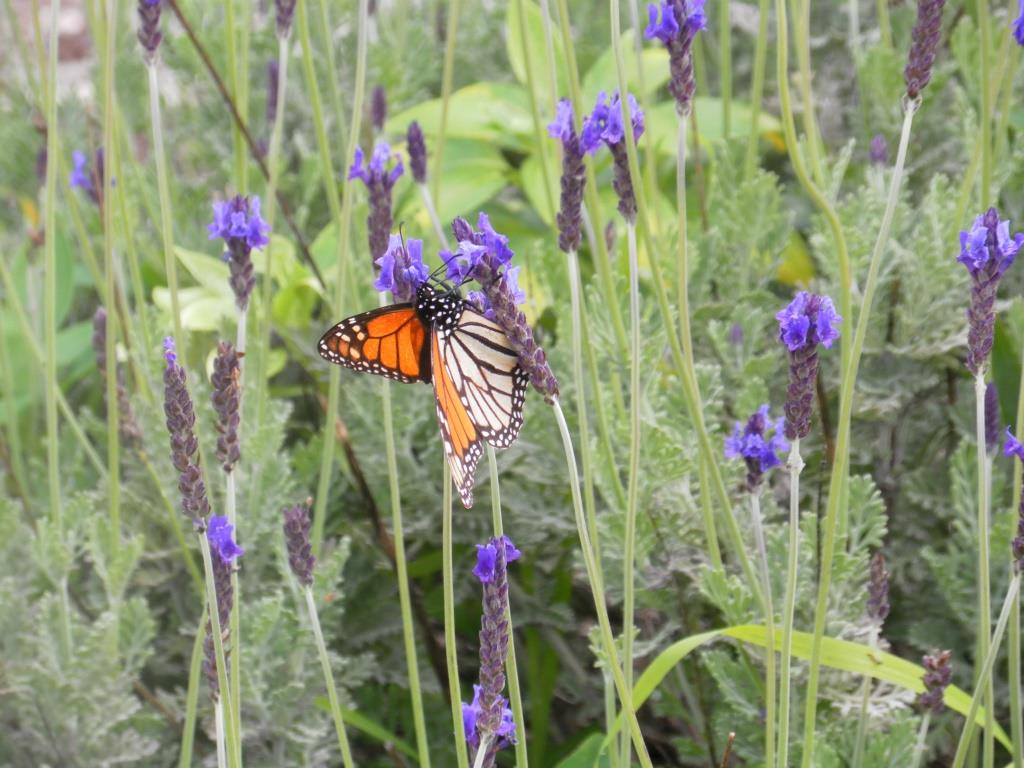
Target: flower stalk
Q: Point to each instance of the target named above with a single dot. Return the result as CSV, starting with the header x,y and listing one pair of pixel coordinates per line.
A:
x,y
450,642
795,463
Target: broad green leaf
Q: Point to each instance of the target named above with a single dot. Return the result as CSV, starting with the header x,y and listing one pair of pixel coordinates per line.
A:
x,y
843,655
796,266
663,124
537,46
532,180
202,309
591,753
209,272
603,75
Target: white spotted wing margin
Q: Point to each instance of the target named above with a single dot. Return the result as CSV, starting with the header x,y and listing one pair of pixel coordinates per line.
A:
x,y
482,371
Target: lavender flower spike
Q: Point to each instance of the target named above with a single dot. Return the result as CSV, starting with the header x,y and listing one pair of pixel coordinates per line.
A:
x,y
181,421
1018,25
923,42
417,148
149,29
759,443
378,109
570,213
680,21
987,250
226,399
937,677
992,418
239,223
379,182
285,10
1013,447
128,426
878,589
225,551
402,270
605,125
879,150
809,320
296,537
488,715
484,256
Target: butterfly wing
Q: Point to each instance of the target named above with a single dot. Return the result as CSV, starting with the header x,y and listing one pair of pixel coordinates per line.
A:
x,y
462,446
390,341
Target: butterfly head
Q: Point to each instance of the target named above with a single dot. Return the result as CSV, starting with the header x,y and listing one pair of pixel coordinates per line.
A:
x,y
440,306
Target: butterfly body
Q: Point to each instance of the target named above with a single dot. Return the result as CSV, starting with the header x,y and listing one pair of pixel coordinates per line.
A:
x,y
440,338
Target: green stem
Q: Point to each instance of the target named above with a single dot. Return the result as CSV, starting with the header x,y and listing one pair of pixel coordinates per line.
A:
x,y
514,694
725,64
843,437
922,736
446,92
803,56
50,289
334,381
884,25
985,676
796,465
13,427
708,517
242,95
538,125
984,566
985,115
220,732
769,619
231,746
166,226
435,220
188,729
333,90
237,142
757,89
332,690
450,642
607,640
862,715
633,488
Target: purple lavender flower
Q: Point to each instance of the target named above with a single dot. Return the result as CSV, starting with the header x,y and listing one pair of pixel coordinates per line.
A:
x,y
1013,447
219,533
678,39
759,444
296,538
488,716
378,109
379,182
987,250
808,321
924,39
1018,25
570,213
878,589
417,148
402,270
605,125
149,29
285,11
879,151
484,256
239,223
937,677
992,418
89,180
127,425
181,420
227,371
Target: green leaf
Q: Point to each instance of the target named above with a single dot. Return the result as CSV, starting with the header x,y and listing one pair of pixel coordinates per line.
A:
x,y
843,655
211,273
537,45
591,753
532,180
603,75
663,124
356,719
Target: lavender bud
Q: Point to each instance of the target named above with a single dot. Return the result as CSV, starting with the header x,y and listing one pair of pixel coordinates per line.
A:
x,y
127,425
417,152
461,230
937,677
378,109
379,181
879,151
181,420
570,216
149,29
809,320
239,223
759,443
227,394
878,589
923,41
992,418
296,538
223,552
622,182
285,11
987,250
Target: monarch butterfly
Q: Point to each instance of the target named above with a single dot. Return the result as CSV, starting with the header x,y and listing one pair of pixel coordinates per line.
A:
x,y
440,337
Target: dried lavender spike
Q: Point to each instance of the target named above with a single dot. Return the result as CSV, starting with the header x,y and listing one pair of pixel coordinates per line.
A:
x,y
285,11
226,397
923,41
987,250
678,39
878,589
181,420
223,552
417,147
149,29
296,537
622,182
937,677
807,321
992,418
378,108
127,425
570,213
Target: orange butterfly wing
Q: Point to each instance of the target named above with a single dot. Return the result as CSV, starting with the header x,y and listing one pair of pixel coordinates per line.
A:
x,y
462,445
390,342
